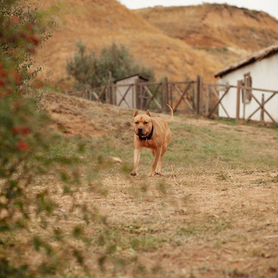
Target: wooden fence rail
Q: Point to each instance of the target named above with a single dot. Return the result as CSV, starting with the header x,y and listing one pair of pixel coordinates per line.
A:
x,y
193,96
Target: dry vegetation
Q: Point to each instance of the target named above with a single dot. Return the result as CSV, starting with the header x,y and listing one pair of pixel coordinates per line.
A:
x,y
212,214
177,42
98,24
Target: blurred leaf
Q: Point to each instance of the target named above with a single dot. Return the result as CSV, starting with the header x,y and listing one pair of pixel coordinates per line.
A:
x,y
79,257
78,232
58,234
45,203
37,243
8,270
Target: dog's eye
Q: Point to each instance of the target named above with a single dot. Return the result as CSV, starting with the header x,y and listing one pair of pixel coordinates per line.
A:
x,y
136,123
145,123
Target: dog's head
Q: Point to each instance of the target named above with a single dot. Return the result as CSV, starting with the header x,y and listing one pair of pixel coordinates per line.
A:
x,y
142,124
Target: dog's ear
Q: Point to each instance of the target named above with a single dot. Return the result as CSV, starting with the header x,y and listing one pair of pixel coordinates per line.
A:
x,y
135,113
148,113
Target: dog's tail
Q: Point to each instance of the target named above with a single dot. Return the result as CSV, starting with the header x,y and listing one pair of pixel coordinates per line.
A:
x,y
172,112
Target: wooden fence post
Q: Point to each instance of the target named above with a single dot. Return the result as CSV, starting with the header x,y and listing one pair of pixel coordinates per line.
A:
x,y
198,94
262,108
138,95
165,95
141,92
207,100
239,83
170,91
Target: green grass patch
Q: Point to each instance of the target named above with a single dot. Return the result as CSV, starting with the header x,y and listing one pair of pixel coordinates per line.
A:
x,y
192,146
203,146
206,228
146,243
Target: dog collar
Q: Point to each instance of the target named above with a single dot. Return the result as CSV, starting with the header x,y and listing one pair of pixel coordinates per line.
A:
x,y
146,138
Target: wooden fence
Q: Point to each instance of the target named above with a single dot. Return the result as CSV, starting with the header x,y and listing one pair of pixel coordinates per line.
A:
x,y
258,100
193,96
182,96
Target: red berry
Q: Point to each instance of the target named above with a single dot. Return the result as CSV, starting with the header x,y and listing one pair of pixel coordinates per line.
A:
x,y
25,131
21,130
23,147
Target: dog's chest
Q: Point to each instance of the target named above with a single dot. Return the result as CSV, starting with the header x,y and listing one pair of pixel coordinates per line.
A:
x,y
148,144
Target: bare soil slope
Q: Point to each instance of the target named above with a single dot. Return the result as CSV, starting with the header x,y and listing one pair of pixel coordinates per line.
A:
x,y
100,23
224,33
178,42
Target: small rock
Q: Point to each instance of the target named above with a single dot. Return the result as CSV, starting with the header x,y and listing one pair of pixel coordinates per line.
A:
x,y
116,159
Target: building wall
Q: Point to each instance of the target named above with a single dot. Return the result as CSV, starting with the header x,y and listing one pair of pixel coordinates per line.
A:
x,y
130,98
264,75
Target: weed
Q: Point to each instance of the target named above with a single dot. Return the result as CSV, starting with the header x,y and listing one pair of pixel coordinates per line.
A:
x,y
146,243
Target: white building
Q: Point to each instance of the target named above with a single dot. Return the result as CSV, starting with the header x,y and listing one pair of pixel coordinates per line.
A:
x,y
258,71
126,91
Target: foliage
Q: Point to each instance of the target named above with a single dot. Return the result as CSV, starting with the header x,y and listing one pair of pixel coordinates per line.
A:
x,y
113,63
35,237
26,152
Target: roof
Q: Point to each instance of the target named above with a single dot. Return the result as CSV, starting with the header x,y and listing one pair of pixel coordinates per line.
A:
x,y
262,54
133,75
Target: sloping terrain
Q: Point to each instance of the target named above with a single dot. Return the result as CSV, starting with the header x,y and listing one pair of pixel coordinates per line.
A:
x,y
224,33
212,214
100,23
177,43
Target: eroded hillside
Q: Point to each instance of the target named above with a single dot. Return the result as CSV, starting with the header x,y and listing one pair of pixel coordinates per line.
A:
x,y
224,33
177,43
100,23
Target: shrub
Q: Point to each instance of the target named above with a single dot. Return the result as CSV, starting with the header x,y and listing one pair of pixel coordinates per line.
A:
x,y
113,63
25,151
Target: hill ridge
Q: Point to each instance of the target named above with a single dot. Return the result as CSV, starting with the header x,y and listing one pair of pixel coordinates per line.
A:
x,y
169,53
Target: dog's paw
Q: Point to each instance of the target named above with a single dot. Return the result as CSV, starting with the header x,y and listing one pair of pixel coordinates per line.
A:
x,y
155,174
133,173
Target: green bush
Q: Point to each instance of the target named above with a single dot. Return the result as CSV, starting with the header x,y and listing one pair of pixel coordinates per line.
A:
x,y
113,63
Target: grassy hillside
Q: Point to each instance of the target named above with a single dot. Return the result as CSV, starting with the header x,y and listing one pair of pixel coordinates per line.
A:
x,y
224,33
100,23
198,142
212,214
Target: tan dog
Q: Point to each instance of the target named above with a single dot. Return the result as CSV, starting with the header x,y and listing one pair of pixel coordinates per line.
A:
x,y
153,133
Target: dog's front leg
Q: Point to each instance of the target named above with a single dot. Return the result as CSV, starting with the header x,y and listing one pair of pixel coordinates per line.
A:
x,y
137,155
157,159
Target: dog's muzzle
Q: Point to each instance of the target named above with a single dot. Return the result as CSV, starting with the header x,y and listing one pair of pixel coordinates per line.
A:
x,y
143,136
141,132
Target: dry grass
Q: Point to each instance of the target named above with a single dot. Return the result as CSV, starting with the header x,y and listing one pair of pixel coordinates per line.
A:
x,y
98,24
212,214
170,41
